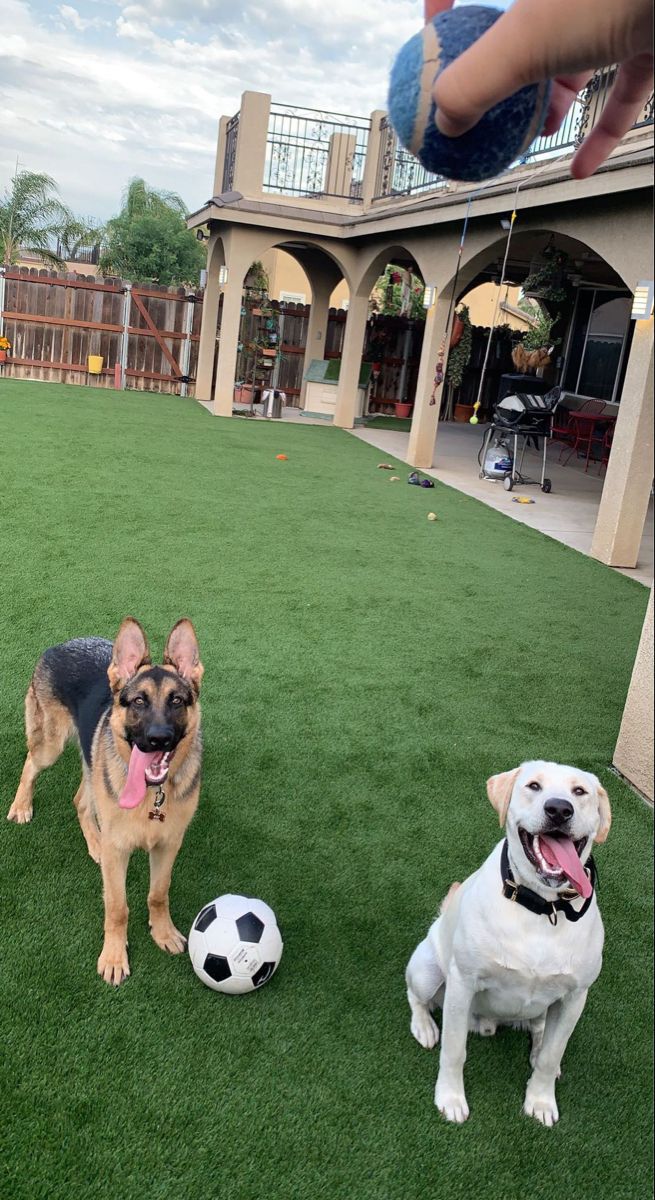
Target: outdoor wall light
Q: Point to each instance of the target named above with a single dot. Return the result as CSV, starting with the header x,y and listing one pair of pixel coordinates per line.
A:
x,y
429,296
642,303
505,224
223,276
201,236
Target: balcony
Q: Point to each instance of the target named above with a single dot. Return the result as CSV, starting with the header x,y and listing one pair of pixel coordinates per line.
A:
x,y
351,163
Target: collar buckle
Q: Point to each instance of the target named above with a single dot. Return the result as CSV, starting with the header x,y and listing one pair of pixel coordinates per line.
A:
x,y
511,889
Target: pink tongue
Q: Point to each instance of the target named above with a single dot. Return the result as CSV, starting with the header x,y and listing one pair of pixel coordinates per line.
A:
x,y
135,785
560,852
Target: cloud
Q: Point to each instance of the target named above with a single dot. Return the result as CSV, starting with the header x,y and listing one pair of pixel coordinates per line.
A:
x,y
97,93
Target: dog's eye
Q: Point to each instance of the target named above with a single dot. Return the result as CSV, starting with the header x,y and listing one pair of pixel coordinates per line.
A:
x,y
579,791
177,701
534,786
139,702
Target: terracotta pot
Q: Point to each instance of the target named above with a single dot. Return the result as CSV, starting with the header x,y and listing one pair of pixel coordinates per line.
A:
x,y
403,410
3,356
463,412
456,332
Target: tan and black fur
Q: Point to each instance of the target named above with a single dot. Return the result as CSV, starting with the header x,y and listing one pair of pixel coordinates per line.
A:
x,y
110,698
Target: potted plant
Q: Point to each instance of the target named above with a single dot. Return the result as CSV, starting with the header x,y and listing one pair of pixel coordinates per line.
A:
x,y
403,408
458,360
547,276
5,347
536,346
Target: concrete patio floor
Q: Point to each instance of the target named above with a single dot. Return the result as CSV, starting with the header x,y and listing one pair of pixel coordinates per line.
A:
x,y
567,514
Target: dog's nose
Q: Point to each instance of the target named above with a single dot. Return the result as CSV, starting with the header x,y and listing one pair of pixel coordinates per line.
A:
x,y
160,737
559,811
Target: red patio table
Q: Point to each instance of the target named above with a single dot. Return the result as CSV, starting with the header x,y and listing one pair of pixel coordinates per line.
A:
x,y
583,426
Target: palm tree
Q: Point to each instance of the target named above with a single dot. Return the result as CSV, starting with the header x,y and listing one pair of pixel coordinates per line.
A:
x,y
140,198
32,217
77,235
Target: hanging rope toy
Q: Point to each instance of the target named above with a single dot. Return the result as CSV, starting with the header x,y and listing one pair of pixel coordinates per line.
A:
x,y
474,419
439,369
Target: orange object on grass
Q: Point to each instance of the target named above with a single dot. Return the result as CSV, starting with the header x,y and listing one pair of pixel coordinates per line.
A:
x,y
281,457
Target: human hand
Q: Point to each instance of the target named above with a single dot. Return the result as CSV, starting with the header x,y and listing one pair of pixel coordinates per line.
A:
x,y
562,40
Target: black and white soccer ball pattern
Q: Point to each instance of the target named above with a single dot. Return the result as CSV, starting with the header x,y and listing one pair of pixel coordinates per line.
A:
x,y
235,944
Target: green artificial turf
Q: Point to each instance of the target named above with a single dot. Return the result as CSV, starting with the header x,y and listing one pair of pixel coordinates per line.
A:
x,y
365,671
400,424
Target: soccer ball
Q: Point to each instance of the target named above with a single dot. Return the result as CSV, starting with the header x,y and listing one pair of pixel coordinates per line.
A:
x,y
235,944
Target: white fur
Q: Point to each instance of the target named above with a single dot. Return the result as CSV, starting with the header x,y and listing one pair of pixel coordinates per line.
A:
x,y
488,961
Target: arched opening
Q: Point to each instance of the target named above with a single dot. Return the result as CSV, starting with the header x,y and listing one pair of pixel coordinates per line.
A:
x,y
289,297
556,294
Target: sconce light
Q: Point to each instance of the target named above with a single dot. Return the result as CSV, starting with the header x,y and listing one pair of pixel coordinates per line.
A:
x,y
505,224
642,303
223,275
201,236
429,296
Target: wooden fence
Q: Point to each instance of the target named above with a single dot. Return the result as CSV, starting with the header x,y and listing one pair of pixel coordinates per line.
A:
x,y
148,337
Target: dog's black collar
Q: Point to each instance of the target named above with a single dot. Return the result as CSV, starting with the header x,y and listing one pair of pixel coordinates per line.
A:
x,y
535,903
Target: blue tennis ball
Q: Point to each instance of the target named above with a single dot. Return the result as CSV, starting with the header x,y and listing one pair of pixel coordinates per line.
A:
x,y
500,137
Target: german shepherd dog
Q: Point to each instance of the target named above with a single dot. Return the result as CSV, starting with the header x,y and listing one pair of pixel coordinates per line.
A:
x,y
138,728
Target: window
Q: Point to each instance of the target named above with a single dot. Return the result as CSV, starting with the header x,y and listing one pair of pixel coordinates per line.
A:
x,y
596,350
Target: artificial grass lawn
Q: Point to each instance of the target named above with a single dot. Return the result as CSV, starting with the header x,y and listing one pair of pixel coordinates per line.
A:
x,y
400,424
365,672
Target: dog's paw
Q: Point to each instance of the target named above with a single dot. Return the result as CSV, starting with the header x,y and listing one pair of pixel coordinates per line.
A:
x,y
113,965
425,1030
451,1104
540,1104
20,813
169,938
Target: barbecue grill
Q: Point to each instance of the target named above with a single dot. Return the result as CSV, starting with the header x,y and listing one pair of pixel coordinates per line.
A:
x,y
528,417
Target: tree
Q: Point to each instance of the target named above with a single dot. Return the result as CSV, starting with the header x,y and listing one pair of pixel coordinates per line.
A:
x,y
79,234
149,242
32,218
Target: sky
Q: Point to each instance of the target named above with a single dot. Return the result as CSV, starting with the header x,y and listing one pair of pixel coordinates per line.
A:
x,y
98,91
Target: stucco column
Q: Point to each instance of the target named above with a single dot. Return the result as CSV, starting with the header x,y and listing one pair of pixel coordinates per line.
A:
x,y
207,347
316,328
339,173
221,146
425,418
633,756
351,362
373,151
624,502
250,158
228,344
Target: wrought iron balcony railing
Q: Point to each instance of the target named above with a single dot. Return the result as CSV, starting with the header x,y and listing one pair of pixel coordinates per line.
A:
x,y
315,154
400,174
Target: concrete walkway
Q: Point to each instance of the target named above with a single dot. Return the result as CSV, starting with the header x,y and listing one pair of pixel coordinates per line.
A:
x,y
567,514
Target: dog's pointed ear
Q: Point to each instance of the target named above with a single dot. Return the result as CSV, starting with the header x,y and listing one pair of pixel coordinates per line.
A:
x,y
605,813
182,653
499,791
130,652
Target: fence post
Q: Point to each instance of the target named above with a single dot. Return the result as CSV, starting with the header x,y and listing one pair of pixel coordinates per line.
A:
x,y
125,337
185,356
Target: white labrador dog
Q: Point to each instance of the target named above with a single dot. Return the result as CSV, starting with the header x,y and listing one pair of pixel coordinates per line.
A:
x,y
519,942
